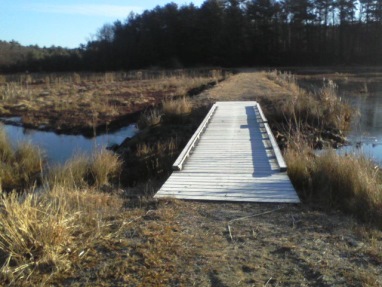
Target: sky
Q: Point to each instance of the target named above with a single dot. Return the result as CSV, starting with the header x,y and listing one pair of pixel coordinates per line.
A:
x,y
66,23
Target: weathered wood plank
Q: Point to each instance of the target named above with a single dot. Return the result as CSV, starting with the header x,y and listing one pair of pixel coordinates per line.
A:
x,y
231,198
191,143
279,156
236,159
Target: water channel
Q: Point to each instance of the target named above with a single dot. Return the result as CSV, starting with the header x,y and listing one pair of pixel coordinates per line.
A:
x,y
363,90
58,148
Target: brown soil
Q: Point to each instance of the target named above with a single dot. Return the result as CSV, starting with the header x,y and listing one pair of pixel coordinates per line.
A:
x,y
185,243
248,84
179,243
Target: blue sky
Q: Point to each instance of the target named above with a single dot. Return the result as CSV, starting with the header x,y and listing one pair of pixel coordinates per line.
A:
x,y
66,23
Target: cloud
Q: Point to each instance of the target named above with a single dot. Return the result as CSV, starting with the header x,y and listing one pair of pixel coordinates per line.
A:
x,y
105,10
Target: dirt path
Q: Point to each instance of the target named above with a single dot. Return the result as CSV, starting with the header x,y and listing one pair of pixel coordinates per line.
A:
x,y
275,245
185,243
246,85
227,244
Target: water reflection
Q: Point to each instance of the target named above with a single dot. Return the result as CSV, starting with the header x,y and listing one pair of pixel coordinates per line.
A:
x,y
59,148
364,93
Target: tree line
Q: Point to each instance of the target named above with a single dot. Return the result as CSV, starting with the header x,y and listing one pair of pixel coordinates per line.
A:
x,y
233,33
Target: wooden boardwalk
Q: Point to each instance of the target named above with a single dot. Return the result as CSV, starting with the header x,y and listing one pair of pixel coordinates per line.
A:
x,y
233,156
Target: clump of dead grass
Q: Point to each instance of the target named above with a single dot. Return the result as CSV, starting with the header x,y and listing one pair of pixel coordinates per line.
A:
x,y
177,107
149,118
72,174
102,168
322,109
21,166
47,233
159,148
350,182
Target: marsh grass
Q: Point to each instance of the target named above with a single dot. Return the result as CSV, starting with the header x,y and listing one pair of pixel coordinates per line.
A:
x,y
102,168
351,183
105,168
321,109
171,108
11,91
149,118
21,166
177,107
38,98
44,234
160,148
72,174
150,160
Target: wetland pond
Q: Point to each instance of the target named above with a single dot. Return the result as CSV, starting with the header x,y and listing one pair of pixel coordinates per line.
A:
x,y
58,148
363,91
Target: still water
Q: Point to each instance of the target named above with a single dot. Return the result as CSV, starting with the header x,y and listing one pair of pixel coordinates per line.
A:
x,y
366,132
363,90
59,148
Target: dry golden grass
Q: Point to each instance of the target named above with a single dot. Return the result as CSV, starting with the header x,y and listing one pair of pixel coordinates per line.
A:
x,y
149,118
352,183
72,174
20,166
105,167
322,109
80,171
160,148
177,107
39,98
44,234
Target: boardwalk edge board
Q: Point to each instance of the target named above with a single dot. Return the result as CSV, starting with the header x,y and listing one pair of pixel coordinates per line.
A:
x,y
178,164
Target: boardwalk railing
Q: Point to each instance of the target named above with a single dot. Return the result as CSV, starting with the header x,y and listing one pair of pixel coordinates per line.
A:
x,y
178,164
275,146
232,156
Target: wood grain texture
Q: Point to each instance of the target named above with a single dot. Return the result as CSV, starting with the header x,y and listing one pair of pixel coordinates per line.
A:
x,y
233,156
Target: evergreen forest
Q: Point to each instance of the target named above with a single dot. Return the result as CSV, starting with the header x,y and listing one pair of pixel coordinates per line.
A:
x,y
225,33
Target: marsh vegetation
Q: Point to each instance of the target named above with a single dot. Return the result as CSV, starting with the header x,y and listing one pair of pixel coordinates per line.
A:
x,y
94,220
83,103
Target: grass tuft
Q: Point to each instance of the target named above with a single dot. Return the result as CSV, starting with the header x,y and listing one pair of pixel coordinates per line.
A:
x,y
322,109
149,118
101,168
351,183
177,107
72,174
47,233
20,166
104,167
